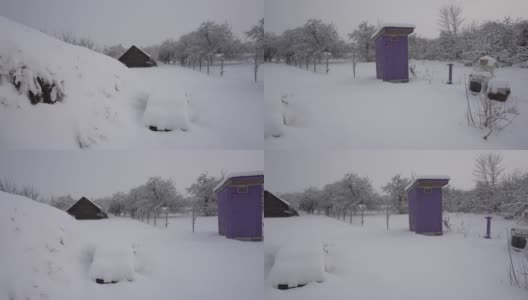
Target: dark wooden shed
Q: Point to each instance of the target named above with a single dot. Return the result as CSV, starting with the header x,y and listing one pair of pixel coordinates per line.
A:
x,y
85,209
137,58
275,207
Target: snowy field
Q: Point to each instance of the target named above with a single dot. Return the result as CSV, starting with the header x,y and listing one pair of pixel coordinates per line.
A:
x,y
370,262
49,256
100,103
223,112
339,111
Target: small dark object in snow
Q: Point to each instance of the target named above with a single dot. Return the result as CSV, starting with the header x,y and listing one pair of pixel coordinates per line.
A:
x,y
101,281
286,287
499,96
518,242
155,128
475,86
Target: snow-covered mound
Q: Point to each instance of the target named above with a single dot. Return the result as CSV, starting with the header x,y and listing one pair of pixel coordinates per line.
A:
x,y
298,263
92,95
36,257
113,263
167,114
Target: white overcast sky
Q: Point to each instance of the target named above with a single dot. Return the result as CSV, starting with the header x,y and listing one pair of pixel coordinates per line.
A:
x,y
347,14
293,171
102,173
142,22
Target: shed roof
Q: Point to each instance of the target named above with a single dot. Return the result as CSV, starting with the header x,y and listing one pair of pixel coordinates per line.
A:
x,y
426,177
134,46
391,25
238,175
280,199
86,199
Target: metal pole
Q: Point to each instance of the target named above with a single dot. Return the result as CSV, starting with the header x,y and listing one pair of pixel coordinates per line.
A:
x,y
193,219
354,64
166,219
222,67
488,228
327,65
450,74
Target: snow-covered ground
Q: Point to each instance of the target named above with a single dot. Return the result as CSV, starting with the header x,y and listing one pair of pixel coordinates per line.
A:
x,y
46,254
370,262
339,111
224,113
103,104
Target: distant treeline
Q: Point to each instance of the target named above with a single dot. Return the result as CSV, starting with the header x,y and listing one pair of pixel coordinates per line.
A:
x,y
506,40
147,198
495,191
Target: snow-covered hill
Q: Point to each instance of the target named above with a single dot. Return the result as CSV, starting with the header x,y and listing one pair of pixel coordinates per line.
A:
x,y
93,93
97,102
36,252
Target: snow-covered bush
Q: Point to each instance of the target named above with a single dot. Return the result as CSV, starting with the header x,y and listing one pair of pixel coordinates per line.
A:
x,y
489,114
40,86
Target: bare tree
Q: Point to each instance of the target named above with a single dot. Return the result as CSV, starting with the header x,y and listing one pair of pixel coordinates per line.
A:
x,y
7,185
487,173
257,36
488,168
450,19
30,192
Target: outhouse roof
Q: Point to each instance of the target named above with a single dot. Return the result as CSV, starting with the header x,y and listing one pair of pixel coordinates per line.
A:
x,y
426,177
238,175
391,25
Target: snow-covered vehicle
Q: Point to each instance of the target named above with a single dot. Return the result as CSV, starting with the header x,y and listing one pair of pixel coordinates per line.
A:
x,y
519,232
297,264
167,114
112,263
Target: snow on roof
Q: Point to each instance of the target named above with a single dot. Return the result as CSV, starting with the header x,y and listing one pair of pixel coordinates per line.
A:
x,y
237,175
425,177
490,59
385,25
285,202
498,84
144,52
88,201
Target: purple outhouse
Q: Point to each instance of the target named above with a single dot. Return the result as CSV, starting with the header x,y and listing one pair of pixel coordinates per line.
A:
x,y
425,204
240,200
392,53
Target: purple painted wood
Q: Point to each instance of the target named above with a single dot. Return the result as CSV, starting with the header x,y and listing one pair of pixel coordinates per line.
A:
x,y
392,53
240,202
425,205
